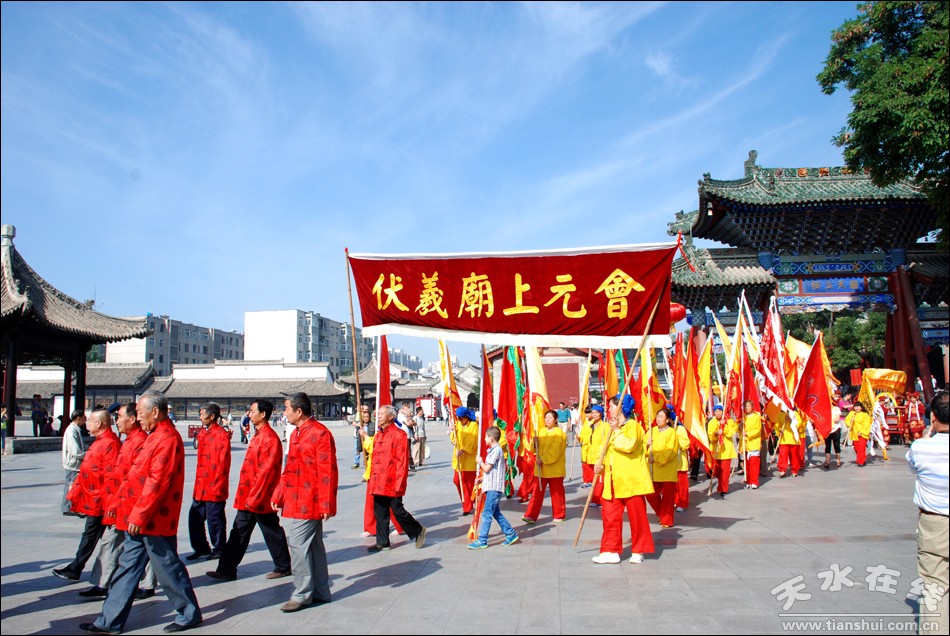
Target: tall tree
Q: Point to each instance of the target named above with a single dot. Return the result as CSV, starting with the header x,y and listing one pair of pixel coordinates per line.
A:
x,y
893,59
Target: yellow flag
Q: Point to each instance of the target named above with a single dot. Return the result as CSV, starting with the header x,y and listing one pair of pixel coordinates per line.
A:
x,y
703,369
724,337
879,380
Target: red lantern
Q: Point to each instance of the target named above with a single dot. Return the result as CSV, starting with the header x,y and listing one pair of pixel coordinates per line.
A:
x,y
677,312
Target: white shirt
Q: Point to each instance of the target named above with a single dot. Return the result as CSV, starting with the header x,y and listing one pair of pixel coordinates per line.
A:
x,y
73,450
929,459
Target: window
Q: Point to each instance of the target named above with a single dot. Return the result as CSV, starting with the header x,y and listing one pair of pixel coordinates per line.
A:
x,y
161,358
161,327
204,350
161,342
151,342
187,333
151,356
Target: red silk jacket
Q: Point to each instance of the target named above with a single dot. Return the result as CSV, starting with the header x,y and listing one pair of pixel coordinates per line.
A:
x,y
307,488
260,472
131,448
150,496
214,464
390,468
88,494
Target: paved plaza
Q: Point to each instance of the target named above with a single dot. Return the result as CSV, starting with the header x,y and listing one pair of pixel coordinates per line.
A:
x,y
833,548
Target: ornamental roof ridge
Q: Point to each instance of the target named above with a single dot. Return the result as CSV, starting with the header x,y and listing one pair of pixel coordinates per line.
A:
x,y
25,292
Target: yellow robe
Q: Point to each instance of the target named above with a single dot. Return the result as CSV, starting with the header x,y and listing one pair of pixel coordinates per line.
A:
x,y
368,449
584,437
859,425
626,473
683,438
785,431
465,438
728,449
551,445
665,452
597,442
753,432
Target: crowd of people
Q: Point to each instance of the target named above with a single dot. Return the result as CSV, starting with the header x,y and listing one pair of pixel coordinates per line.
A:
x,y
130,492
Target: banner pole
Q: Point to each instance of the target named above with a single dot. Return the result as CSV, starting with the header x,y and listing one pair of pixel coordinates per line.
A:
x,y
356,363
608,435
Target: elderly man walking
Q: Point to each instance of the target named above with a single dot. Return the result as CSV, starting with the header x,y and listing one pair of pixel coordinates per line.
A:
x,y
148,507
306,495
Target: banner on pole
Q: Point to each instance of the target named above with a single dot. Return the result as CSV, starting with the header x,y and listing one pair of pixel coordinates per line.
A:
x,y
588,297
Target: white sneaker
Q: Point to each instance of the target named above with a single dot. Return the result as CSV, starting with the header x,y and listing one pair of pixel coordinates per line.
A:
x,y
365,534
753,487
606,557
636,557
680,509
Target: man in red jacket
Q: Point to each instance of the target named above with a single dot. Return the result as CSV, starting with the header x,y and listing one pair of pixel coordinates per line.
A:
x,y
87,492
147,510
387,480
211,486
306,495
260,473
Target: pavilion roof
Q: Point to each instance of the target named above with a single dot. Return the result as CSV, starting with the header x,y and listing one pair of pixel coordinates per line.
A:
x,y
26,297
720,277
807,210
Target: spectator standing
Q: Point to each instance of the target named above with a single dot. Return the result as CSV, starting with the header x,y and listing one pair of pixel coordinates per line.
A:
x,y
929,459
419,441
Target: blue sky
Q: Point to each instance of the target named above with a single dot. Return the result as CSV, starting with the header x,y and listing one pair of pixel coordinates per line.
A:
x,y
202,160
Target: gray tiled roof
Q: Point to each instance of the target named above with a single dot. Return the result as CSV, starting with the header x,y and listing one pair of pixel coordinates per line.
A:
x,y
26,296
208,389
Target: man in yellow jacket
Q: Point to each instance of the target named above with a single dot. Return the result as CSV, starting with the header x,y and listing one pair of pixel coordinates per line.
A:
x,y
789,447
721,431
859,430
751,444
552,442
464,436
664,461
626,483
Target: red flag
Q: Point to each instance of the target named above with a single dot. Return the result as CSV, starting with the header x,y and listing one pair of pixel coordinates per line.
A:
x,y
773,363
383,383
812,395
486,405
679,374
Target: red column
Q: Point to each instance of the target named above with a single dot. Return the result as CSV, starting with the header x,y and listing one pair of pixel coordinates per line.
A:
x,y
913,322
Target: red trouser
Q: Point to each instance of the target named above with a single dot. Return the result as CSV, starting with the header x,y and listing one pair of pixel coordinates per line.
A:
x,y
861,450
528,478
557,498
663,501
752,470
612,515
369,517
682,489
598,497
465,488
721,470
587,473
788,452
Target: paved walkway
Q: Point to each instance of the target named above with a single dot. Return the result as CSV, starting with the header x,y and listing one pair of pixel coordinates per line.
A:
x,y
721,569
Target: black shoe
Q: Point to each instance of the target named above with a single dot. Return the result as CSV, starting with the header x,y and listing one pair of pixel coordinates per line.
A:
x,y
143,593
66,574
214,555
91,628
377,548
194,556
176,627
221,576
95,592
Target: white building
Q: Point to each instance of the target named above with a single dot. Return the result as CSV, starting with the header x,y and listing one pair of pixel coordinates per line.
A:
x,y
175,342
293,335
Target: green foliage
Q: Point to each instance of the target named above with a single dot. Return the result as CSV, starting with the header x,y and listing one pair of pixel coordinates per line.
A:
x,y
850,337
94,355
893,58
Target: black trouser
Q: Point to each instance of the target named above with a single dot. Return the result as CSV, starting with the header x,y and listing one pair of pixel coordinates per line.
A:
x,y
91,534
240,538
213,511
381,509
834,438
694,467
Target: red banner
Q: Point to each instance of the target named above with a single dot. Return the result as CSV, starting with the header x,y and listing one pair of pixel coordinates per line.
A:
x,y
587,297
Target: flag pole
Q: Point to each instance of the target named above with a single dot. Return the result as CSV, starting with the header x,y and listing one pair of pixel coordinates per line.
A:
x,y
583,403
356,365
608,435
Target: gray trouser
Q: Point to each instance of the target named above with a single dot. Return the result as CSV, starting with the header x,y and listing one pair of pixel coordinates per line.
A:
x,y
308,560
107,561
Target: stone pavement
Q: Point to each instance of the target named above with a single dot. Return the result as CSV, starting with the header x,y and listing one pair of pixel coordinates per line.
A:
x,y
721,569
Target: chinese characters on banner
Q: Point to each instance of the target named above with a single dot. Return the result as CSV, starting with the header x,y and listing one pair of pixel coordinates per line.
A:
x,y
538,298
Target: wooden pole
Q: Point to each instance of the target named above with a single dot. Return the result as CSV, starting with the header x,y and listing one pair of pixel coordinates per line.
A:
x,y
356,362
608,434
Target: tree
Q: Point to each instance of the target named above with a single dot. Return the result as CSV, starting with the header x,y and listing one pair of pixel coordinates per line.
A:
x,y
893,58
852,339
